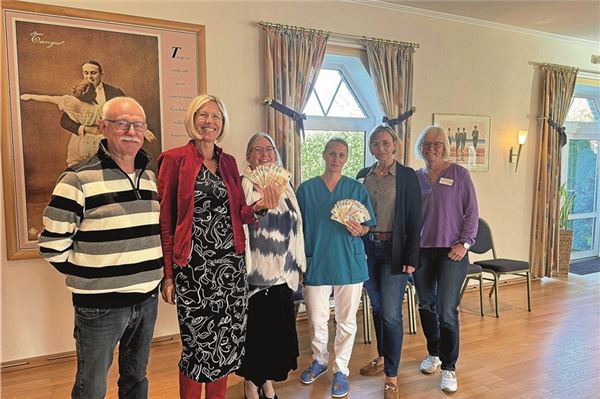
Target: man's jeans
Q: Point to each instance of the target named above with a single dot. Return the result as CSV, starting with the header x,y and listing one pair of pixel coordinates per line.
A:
x,y
438,281
386,293
97,332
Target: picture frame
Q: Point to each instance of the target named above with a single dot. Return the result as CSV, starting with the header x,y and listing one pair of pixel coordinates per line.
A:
x,y
162,64
472,134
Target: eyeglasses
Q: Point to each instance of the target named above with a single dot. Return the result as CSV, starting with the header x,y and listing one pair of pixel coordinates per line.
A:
x,y
204,116
428,144
123,126
262,151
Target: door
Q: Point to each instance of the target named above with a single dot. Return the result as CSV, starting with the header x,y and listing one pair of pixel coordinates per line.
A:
x,y
581,168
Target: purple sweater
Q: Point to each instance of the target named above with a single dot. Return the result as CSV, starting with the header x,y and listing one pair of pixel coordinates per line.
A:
x,y
450,213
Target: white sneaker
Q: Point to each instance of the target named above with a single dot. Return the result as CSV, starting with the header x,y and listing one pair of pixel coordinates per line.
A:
x,y
430,364
448,382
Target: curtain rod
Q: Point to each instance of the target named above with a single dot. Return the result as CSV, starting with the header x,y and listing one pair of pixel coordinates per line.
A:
x,y
558,66
265,24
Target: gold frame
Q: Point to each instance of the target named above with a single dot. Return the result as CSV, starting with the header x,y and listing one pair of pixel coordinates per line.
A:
x,y
19,245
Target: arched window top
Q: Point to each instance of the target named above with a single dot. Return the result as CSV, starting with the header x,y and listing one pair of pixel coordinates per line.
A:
x,y
342,104
333,97
583,109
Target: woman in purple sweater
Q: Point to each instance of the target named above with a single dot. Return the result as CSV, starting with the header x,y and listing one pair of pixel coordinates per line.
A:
x,y
450,217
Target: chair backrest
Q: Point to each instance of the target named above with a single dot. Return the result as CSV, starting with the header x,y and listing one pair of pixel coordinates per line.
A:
x,y
483,240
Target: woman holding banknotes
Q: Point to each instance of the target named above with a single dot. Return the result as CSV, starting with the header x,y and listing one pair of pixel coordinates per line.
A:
x,y
275,261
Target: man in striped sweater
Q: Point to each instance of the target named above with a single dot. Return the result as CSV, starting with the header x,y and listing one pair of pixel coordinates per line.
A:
x,y
101,230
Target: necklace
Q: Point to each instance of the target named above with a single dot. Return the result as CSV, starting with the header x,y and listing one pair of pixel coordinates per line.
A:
x,y
383,170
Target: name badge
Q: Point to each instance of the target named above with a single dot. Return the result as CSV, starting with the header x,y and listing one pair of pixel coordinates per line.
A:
x,y
446,182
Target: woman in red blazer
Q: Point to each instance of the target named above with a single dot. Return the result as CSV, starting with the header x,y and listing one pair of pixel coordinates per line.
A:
x,y
202,212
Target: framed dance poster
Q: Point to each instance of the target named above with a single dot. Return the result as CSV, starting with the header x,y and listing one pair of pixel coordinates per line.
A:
x,y
469,137
47,122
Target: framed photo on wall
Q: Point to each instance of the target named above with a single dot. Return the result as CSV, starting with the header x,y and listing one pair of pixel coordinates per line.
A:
x,y
48,54
469,137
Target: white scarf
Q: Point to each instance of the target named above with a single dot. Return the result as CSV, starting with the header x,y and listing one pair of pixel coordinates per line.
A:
x,y
277,270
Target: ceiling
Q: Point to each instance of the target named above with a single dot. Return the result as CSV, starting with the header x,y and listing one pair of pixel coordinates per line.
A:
x,y
576,19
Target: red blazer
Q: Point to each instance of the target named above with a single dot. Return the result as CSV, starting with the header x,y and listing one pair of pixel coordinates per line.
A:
x,y
177,172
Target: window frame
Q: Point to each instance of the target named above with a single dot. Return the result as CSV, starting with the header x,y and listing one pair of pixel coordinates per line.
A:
x,y
359,82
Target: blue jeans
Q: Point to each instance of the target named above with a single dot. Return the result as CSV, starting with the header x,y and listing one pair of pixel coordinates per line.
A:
x,y
438,281
386,292
97,332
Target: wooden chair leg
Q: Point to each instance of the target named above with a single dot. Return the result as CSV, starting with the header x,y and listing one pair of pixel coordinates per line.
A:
x,y
412,311
366,317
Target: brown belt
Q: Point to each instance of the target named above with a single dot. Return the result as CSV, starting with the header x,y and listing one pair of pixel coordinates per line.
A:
x,y
380,236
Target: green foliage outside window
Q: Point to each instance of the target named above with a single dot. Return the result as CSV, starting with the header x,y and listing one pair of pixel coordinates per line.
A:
x,y
312,163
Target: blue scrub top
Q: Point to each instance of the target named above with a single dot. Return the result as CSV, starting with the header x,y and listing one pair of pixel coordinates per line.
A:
x,y
333,256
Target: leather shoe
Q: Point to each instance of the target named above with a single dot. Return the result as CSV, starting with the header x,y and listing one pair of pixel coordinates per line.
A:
x,y
390,391
371,368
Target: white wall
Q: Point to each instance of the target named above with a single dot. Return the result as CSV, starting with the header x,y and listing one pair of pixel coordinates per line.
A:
x,y
459,68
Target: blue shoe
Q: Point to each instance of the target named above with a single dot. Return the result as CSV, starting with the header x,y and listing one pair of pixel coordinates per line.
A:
x,y
314,371
340,386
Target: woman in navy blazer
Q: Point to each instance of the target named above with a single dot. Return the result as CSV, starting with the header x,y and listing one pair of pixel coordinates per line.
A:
x,y
392,248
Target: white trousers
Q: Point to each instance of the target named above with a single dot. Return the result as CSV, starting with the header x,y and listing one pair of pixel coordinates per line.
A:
x,y
347,299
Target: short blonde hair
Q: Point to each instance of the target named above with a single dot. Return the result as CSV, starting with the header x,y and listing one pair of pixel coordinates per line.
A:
x,y
380,129
431,129
194,106
254,139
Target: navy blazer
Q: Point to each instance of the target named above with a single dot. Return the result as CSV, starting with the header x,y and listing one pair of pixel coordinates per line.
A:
x,y
406,233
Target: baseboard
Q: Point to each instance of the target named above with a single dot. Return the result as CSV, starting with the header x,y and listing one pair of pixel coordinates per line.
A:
x,y
55,358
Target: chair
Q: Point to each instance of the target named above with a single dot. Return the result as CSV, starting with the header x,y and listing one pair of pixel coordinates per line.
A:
x,y
498,267
298,298
411,305
474,273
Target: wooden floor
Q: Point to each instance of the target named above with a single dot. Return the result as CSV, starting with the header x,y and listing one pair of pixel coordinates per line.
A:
x,y
552,352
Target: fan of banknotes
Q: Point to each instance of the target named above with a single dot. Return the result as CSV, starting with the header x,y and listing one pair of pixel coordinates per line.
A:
x,y
274,175
349,209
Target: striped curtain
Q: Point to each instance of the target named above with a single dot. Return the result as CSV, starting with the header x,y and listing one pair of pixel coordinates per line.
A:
x,y
391,68
293,60
559,84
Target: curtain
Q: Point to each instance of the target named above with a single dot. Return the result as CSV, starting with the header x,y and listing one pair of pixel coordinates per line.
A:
x,y
558,87
391,68
293,60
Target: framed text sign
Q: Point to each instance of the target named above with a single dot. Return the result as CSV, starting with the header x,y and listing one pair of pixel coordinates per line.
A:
x,y
50,56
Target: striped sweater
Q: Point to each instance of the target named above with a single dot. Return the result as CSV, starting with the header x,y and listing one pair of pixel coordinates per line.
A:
x,y
101,230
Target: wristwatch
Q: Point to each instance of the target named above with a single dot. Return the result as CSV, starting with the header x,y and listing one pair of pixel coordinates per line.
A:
x,y
466,245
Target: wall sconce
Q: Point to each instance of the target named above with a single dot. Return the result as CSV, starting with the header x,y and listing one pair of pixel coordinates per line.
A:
x,y
514,158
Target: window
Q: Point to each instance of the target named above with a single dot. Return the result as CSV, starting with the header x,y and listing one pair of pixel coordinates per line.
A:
x,y
583,109
342,104
332,97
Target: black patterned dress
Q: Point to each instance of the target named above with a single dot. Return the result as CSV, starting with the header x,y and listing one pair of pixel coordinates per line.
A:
x,y
211,289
